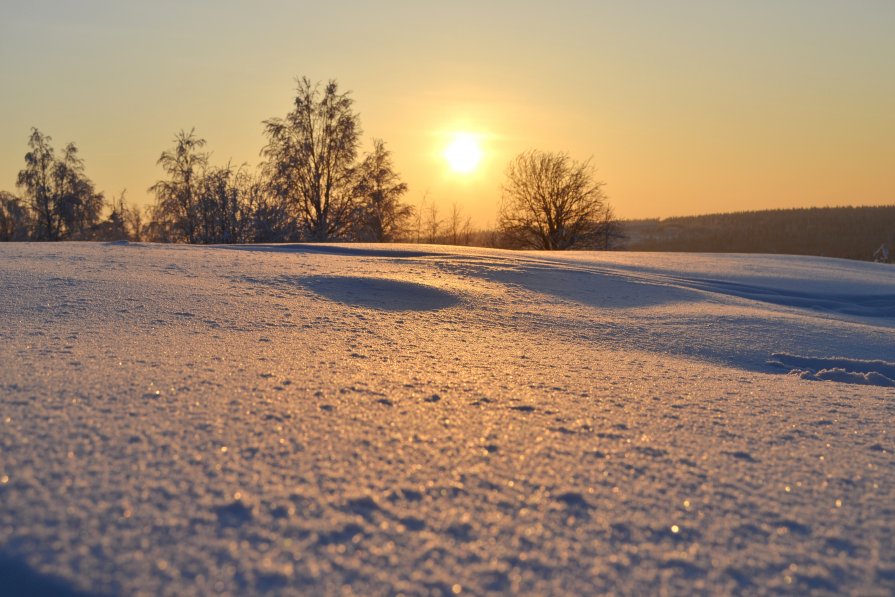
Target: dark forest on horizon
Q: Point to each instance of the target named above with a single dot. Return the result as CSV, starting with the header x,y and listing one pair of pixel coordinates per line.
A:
x,y
844,232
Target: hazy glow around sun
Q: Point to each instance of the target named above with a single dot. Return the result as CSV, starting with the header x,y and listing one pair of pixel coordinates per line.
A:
x,y
463,153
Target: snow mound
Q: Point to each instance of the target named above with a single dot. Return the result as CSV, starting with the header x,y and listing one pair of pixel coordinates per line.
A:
x,y
358,250
380,293
872,373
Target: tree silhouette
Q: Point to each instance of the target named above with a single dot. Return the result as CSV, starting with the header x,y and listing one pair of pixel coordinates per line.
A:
x,y
79,206
15,219
223,210
609,231
36,179
310,154
123,222
63,199
551,202
176,213
459,228
433,224
379,216
269,219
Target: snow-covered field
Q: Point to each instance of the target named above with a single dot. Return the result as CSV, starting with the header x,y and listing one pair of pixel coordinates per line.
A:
x,y
429,420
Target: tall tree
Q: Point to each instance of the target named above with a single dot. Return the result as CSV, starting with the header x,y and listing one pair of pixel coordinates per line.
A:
x,y
78,204
459,228
380,215
433,224
551,202
63,199
176,213
310,155
36,179
418,218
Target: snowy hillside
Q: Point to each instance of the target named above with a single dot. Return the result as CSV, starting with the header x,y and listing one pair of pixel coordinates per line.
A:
x,y
182,420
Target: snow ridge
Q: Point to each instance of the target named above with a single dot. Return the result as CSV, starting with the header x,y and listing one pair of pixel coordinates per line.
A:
x,y
856,371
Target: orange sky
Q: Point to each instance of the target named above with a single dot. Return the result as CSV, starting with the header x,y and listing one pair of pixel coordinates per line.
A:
x,y
689,107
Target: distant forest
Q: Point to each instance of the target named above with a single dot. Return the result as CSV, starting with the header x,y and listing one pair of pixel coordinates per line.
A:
x,y
846,232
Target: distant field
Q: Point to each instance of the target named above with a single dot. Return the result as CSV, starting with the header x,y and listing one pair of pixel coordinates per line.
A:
x,y
846,232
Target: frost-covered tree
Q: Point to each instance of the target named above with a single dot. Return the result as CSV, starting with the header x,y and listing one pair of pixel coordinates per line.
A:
x,y
380,216
310,156
550,201
224,213
79,205
124,222
176,214
201,203
15,219
64,201
36,180
268,219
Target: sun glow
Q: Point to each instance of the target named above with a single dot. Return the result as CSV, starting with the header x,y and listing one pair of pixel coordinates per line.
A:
x,y
464,153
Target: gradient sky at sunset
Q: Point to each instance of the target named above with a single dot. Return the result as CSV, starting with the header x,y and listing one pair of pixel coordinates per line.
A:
x,y
686,107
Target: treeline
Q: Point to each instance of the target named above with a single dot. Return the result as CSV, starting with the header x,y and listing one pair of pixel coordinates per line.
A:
x,y
846,232
308,189
313,184
60,201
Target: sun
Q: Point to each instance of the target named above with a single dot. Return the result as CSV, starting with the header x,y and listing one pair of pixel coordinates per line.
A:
x,y
464,153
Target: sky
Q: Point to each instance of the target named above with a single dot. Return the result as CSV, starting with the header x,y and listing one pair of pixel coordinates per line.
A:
x,y
683,107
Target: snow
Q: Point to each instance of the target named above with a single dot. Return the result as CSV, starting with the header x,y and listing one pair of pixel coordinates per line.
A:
x,y
181,420
879,373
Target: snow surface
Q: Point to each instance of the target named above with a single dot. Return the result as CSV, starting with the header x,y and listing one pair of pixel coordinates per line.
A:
x,y
181,420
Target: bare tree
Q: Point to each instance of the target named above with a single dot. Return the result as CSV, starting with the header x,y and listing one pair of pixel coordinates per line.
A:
x,y
459,228
466,231
610,233
433,224
550,202
418,218
454,224
310,155
380,216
